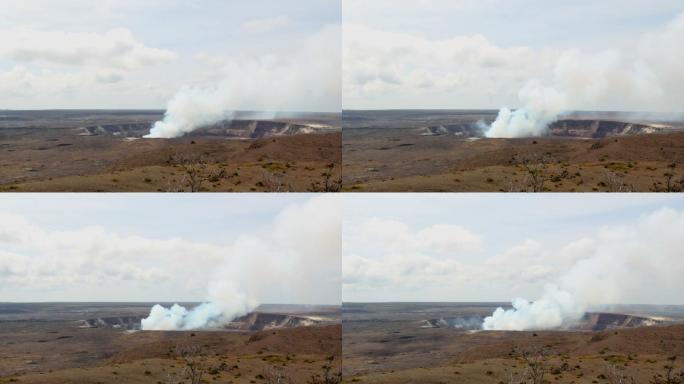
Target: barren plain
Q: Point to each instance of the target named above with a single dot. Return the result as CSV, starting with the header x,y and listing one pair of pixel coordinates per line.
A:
x,y
443,343
92,151
445,150
101,343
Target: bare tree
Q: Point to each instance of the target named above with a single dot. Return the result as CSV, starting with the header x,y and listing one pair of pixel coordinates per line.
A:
x,y
273,375
328,376
514,378
196,172
535,368
273,182
173,379
518,186
329,183
615,375
536,168
173,186
670,376
615,183
194,167
671,183
195,365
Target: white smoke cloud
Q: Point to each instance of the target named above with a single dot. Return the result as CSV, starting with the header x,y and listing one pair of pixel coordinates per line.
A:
x,y
299,256
641,78
543,105
291,257
226,302
226,292
306,80
554,309
631,264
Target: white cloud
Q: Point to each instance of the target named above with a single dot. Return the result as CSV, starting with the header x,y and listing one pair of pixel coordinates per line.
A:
x,y
24,82
388,255
48,65
400,60
82,14
52,257
116,48
429,277
109,76
396,237
138,53
268,24
395,272
292,258
379,64
630,262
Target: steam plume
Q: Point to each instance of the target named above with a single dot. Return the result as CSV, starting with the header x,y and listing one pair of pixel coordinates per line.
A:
x,y
541,107
639,78
631,264
226,303
306,80
297,257
554,309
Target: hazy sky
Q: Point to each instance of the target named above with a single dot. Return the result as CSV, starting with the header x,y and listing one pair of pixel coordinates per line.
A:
x,y
496,247
138,53
278,248
301,248
480,53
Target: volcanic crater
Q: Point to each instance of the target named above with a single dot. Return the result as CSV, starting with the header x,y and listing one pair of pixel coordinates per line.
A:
x,y
236,129
579,128
591,321
448,151
103,150
255,321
